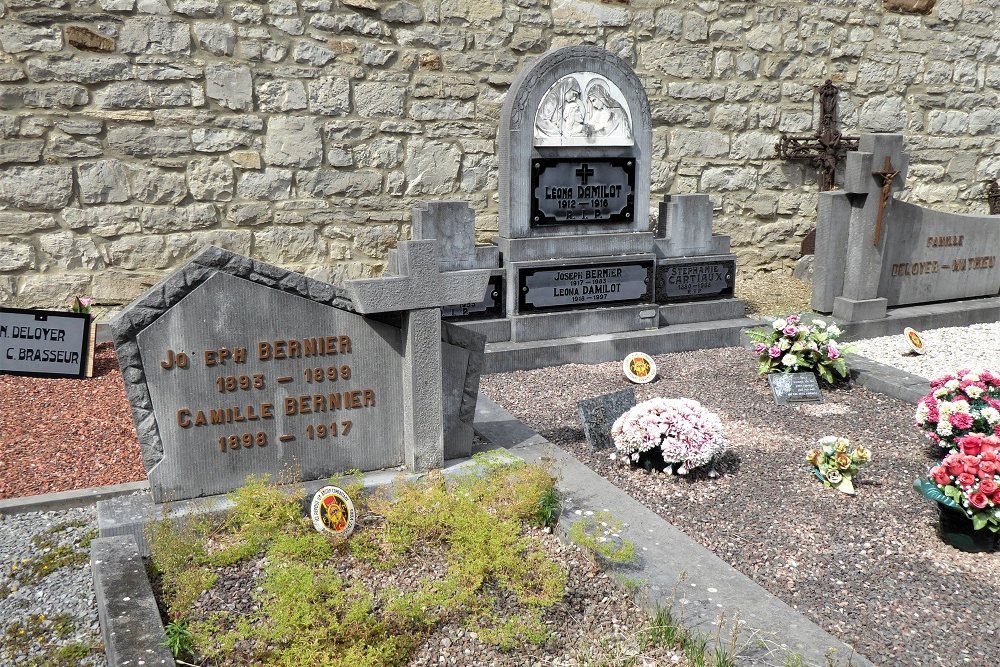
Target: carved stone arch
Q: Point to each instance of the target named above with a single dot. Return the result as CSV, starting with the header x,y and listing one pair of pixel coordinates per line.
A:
x,y
516,137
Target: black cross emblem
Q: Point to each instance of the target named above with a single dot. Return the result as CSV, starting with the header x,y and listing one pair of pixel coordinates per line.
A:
x,y
584,172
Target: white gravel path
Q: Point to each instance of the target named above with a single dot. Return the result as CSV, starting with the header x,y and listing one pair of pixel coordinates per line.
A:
x,y
976,346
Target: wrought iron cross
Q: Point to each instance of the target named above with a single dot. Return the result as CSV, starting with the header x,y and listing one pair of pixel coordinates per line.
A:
x,y
828,146
888,174
993,195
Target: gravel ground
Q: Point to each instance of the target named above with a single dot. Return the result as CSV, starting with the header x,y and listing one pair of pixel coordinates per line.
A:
x,y
57,435
58,609
869,569
947,350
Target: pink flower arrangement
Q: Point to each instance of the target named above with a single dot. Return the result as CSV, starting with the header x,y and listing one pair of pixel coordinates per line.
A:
x,y
790,344
680,430
969,480
958,405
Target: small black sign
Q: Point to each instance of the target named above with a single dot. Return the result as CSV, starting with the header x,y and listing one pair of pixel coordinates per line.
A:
x,y
574,190
490,306
44,343
794,388
707,279
585,286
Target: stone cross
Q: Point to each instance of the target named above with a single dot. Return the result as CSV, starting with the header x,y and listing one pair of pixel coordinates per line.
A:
x,y
453,225
887,175
867,193
828,146
418,292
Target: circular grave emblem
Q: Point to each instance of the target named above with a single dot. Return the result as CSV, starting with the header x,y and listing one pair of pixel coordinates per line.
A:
x,y
333,512
913,340
639,367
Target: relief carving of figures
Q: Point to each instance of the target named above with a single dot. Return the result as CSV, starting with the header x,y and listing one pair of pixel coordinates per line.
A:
x,y
567,117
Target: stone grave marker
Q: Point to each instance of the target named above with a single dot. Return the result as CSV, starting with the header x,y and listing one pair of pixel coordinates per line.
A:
x,y
45,343
234,367
794,388
598,415
874,252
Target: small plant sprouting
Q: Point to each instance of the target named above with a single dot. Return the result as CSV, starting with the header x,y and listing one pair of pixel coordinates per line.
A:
x,y
179,639
599,534
549,508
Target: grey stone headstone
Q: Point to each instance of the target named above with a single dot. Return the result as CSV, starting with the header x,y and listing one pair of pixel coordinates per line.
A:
x,y
598,415
684,227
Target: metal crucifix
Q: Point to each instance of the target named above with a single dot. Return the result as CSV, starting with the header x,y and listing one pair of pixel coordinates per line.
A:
x,y
828,146
888,174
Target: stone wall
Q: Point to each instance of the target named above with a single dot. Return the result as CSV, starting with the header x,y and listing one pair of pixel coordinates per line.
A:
x,y
301,132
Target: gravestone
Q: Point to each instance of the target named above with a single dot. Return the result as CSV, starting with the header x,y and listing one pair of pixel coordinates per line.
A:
x,y
234,367
598,415
794,388
874,252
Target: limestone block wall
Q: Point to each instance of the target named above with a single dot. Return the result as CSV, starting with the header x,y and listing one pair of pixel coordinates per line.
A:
x,y
301,132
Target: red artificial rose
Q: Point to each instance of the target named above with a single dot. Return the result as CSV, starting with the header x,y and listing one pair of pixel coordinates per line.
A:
x,y
978,499
970,460
988,486
988,456
940,476
966,480
971,444
988,467
954,467
996,498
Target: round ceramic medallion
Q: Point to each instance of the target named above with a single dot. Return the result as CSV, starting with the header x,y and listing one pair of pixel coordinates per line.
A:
x,y
639,367
333,512
913,340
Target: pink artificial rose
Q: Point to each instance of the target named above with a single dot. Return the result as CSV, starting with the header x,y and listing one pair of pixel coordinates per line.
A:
x,y
792,318
966,480
832,351
988,487
978,499
988,456
988,467
971,444
940,476
953,465
774,352
961,420
790,330
759,348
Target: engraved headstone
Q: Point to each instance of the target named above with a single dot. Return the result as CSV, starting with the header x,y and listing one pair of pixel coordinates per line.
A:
x,y
794,388
234,367
598,415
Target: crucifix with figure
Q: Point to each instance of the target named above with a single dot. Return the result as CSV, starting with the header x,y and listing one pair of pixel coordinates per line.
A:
x,y
888,174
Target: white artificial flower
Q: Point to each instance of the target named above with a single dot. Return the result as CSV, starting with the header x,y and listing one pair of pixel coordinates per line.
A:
x,y
940,393
952,385
944,428
971,377
819,323
790,360
779,324
974,391
833,330
991,415
945,408
784,344
922,412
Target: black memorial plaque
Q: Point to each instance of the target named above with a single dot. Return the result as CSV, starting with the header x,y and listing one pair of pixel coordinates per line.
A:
x,y
44,343
708,279
794,388
572,190
490,306
585,286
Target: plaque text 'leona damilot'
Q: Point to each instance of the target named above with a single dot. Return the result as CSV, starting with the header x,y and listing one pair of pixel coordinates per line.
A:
x,y
322,391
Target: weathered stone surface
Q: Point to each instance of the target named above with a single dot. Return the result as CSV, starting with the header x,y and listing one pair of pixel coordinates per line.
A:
x,y
281,95
312,53
81,69
289,245
349,23
88,40
329,182
156,186
136,95
154,34
199,9
330,96
380,154
219,39
269,184
149,142
441,110
21,151
15,256
250,215
43,97
66,250
401,12
36,187
293,141
431,167
246,159
168,71
102,182
211,180
218,140
378,99
883,114
62,145
16,38
699,143
163,219
230,85
13,223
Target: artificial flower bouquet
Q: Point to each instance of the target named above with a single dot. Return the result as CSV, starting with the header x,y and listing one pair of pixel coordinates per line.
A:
x,y
834,466
668,433
968,480
790,345
958,405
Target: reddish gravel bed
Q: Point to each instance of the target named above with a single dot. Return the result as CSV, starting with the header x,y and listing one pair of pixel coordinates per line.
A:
x,y
58,435
869,569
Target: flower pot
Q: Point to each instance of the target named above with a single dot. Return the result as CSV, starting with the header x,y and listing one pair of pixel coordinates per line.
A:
x,y
956,529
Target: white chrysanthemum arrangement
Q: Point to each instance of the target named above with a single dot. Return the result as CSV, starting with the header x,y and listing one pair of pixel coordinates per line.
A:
x,y
669,433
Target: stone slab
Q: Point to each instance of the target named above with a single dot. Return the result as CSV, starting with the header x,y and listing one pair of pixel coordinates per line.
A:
x,y
851,310
130,621
923,317
681,279
608,321
495,331
579,245
701,311
462,357
62,500
711,586
684,227
598,414
887,380
830,263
